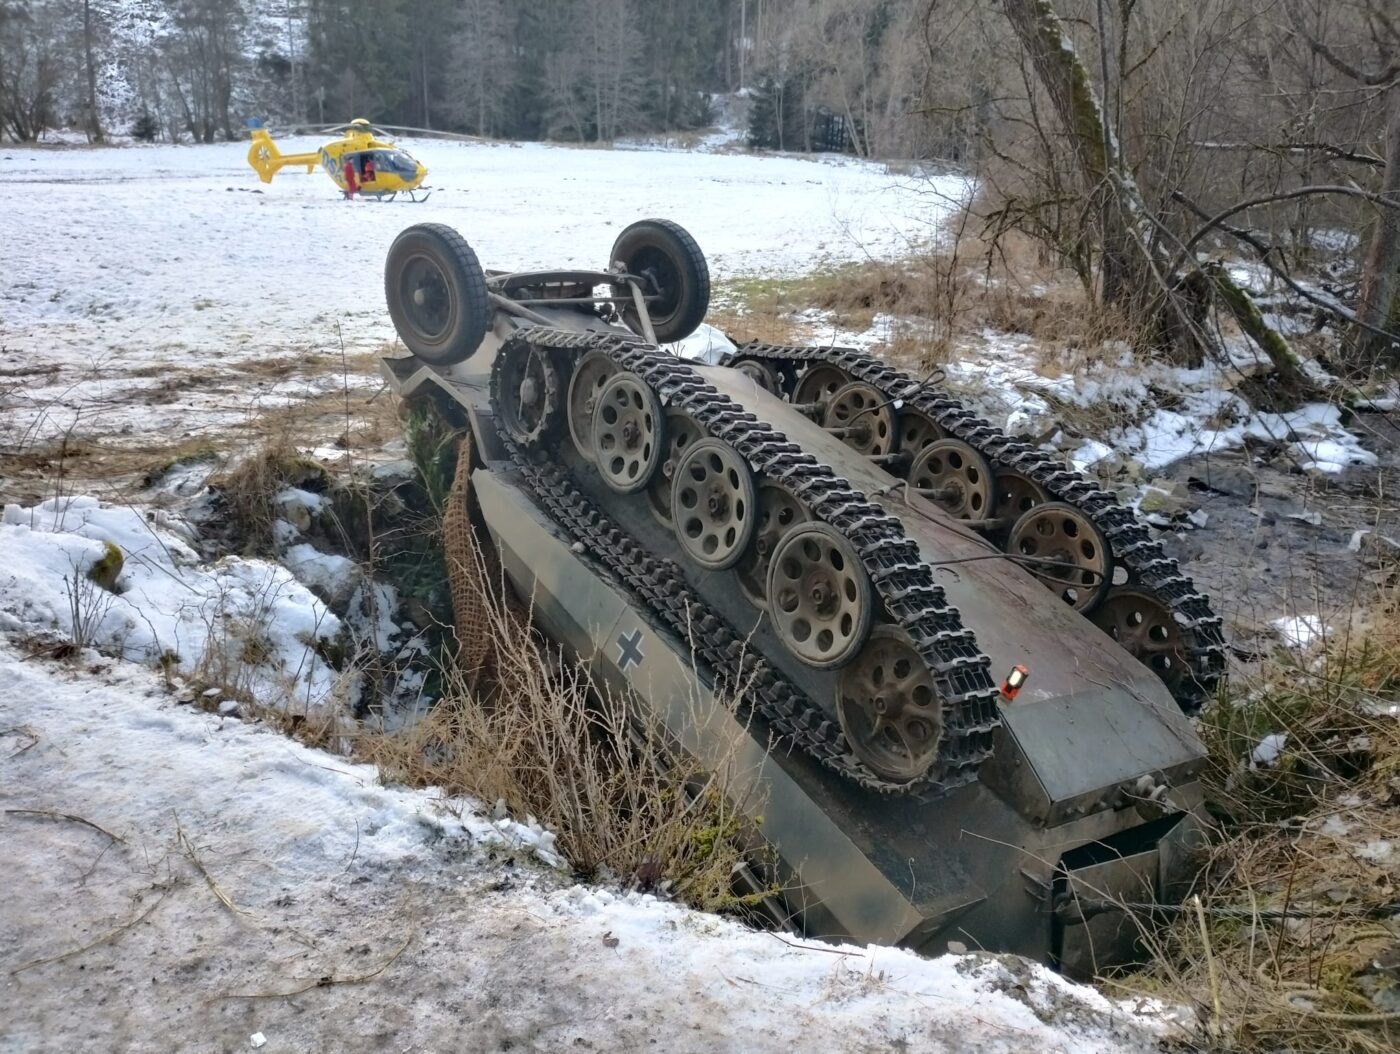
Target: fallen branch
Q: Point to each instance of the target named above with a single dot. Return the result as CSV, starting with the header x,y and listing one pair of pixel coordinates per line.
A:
x,y
188,847
1267,254
807,947
105,939
328,981
49,814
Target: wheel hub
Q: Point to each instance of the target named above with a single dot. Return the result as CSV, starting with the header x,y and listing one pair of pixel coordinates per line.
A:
x,y
819,596
888,707
1067,552
823,595
713,504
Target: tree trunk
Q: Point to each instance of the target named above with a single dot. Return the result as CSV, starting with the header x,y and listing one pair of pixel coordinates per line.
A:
x,y
94,124
1380,275
1131,265
1251,321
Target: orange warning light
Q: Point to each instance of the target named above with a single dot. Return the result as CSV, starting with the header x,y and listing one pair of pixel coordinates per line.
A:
x,y
1014,681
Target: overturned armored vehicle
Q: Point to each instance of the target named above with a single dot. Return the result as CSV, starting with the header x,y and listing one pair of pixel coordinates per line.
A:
x,y
828,576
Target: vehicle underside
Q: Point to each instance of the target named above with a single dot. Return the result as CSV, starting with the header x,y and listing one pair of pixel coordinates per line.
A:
x,y
947,678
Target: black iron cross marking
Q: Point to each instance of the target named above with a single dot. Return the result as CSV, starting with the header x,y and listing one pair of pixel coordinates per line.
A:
x,y
629,649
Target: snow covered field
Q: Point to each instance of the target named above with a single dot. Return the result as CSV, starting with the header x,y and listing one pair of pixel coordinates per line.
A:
x,y
155,280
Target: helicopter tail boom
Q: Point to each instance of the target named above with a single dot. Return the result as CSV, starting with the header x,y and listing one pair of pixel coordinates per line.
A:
x,y
267,160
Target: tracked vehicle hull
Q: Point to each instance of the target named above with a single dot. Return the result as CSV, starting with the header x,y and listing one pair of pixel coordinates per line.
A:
x,y
987,831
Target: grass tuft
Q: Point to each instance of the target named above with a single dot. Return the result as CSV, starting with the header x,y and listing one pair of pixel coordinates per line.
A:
x,y
1297,943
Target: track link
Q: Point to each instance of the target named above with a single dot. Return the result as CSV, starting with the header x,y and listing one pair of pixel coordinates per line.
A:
x,y
905,585
1148,566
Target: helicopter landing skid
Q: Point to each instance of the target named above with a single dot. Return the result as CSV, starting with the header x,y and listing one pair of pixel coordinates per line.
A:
x,y
393,194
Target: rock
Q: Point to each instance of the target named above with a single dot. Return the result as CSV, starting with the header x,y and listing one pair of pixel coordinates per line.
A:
x,y
1167,497
1225,477
256,1040
1378,550
1277,491
1312,517
107,568
228,708
394,472
1183,548
299,507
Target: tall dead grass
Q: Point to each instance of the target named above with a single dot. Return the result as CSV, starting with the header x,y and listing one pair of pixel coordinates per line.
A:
x,y
1296,945
539,734
250,489
929,300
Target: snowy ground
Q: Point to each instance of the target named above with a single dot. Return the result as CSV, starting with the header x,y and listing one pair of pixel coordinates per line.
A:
x,y
165,288
181,880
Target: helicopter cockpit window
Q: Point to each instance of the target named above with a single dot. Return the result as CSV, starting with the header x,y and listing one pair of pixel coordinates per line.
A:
x,y
397,162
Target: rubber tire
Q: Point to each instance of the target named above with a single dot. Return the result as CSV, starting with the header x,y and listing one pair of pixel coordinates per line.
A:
x,y
691,299
467,284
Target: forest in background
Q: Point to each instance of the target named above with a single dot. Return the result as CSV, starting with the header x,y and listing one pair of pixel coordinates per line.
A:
x,y
1122,137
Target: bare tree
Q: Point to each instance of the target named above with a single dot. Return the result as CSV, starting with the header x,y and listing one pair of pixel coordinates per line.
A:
x,y
1377,307
29,69
94,120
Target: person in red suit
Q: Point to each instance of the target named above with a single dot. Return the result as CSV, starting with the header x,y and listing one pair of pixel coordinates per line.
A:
x,y
351,183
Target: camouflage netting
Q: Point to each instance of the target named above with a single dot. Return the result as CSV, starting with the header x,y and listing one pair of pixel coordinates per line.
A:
x,y
467,574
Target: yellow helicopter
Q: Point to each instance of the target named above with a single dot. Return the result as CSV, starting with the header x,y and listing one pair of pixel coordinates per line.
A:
x,y
359,163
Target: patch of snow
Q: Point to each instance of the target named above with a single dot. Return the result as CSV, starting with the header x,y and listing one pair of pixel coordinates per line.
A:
x,y
330,575
1334,826
1090,453
1377,850
1300,631
1268,749
373,614
168,605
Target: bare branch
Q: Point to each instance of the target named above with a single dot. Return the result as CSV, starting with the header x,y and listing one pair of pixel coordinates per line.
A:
x,y
1336,152
1370,79
1269,254
1266,199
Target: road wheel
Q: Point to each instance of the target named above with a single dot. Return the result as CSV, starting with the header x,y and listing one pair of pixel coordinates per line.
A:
x,y
628,433
1065,550
819,596
713,504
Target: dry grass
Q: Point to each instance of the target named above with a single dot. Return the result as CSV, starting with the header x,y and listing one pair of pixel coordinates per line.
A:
x,y
541,736
251,487
931,301
1290,953
352,413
